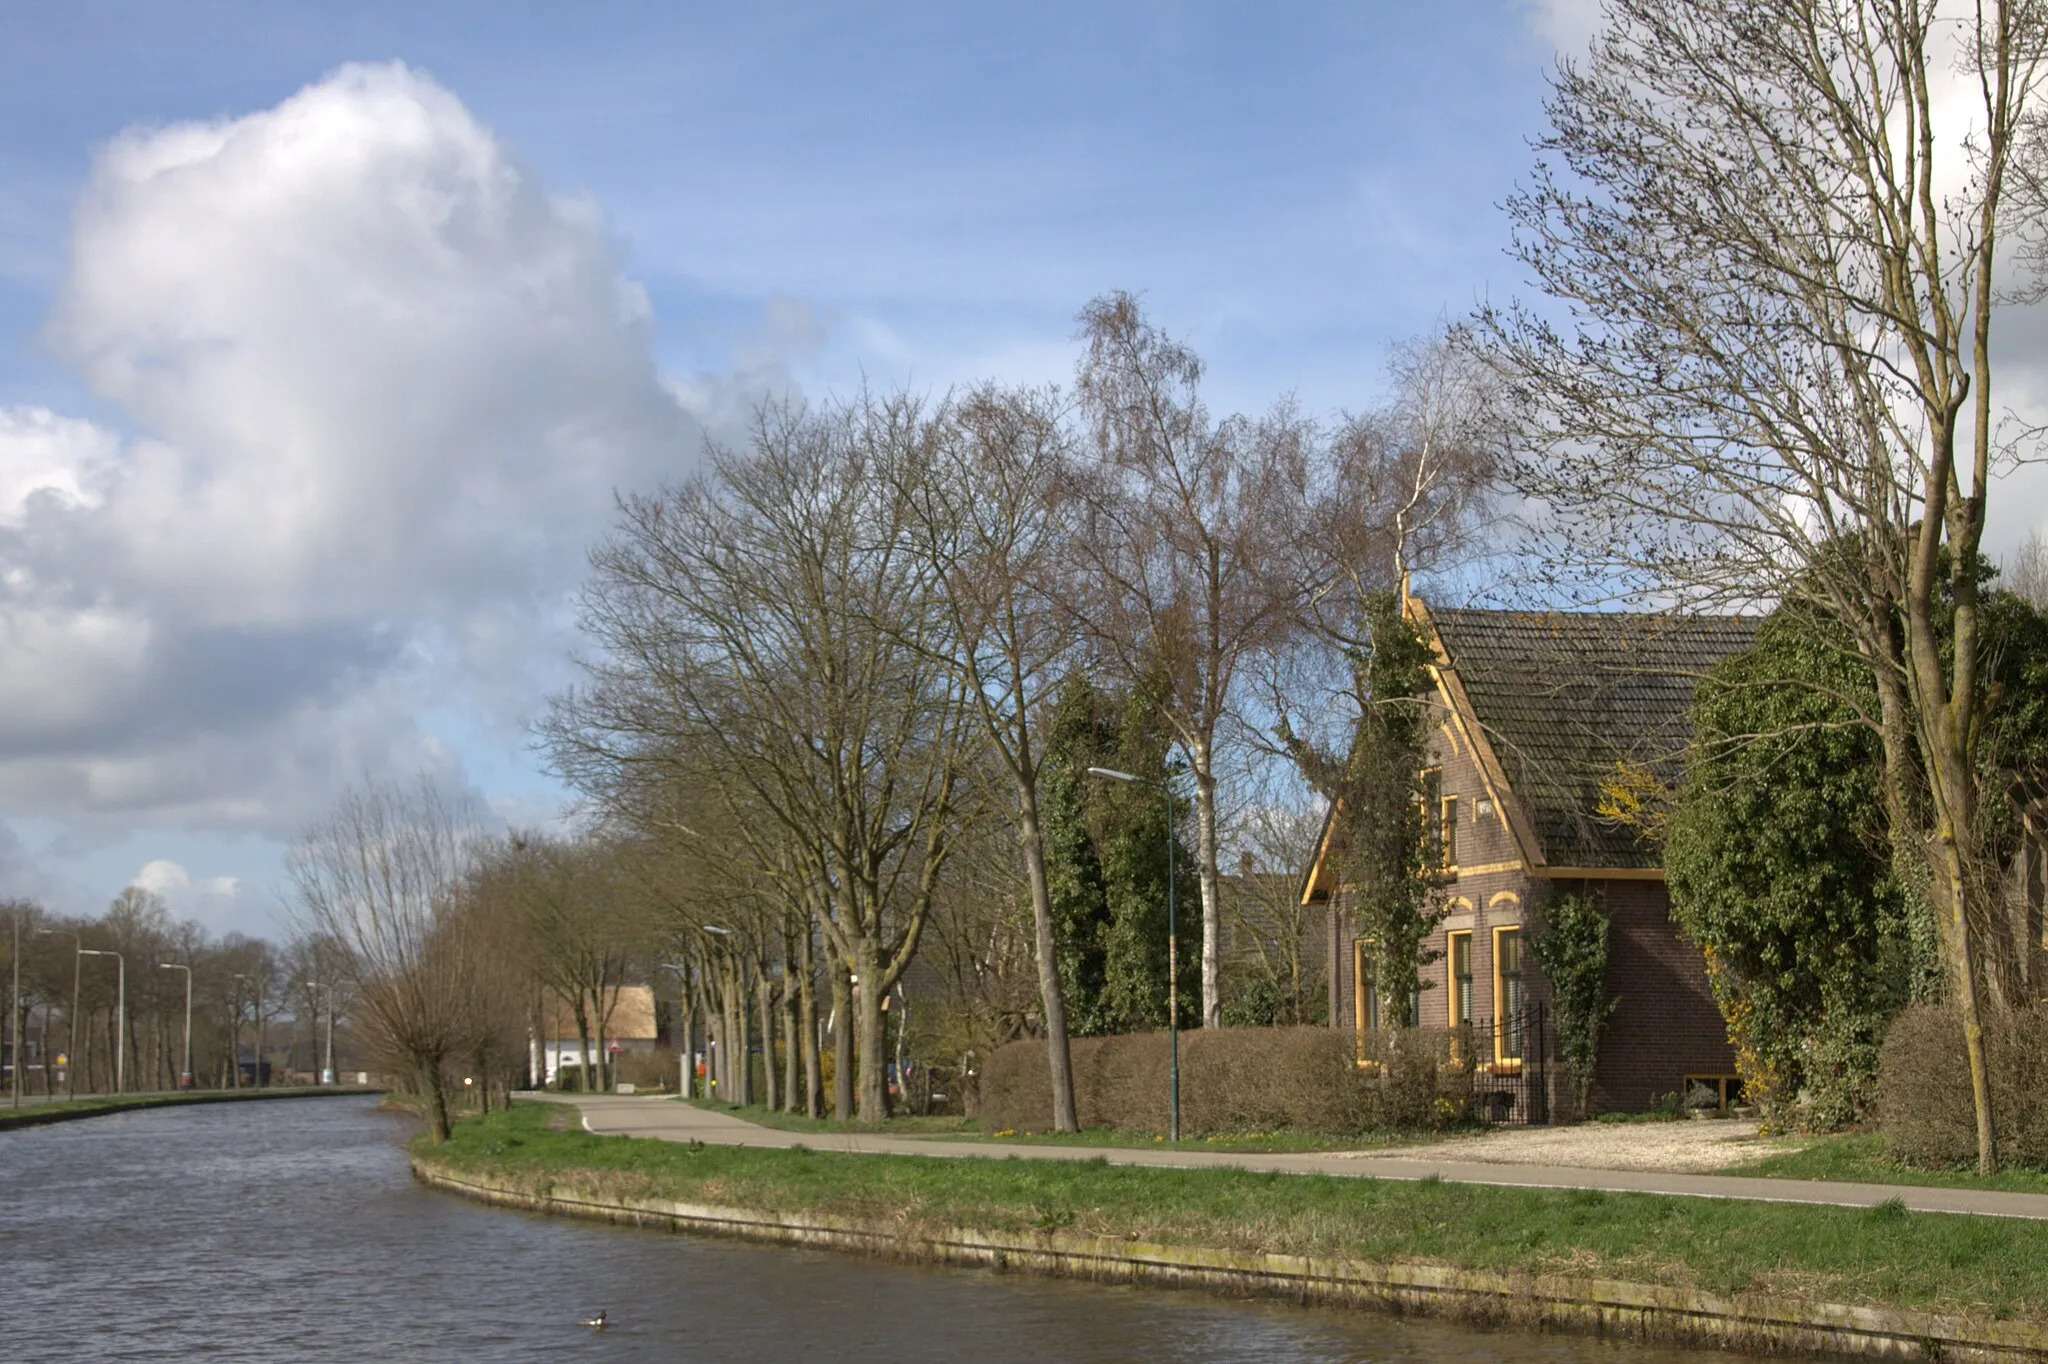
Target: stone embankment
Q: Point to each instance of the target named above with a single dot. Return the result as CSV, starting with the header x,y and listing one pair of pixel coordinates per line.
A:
x,y
1752,1323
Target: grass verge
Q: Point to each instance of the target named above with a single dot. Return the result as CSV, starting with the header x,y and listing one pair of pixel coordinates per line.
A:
x,y
1985,1267
67,1110
938,1128
1859,1158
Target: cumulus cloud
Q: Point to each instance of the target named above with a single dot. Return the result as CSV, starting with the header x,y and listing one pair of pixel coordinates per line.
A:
x,y
174,885
377,386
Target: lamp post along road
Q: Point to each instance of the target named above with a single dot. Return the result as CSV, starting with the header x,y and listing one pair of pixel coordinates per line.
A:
x,y
1172,940
14,1087
120,1014
185,1073
327,1056
256,1070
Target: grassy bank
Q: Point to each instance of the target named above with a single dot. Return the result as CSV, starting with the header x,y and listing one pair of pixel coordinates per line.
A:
x,y
68,1110
1980,1267
948,1128
1860,1158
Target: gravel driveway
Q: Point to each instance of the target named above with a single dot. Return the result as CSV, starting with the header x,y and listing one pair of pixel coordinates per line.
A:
x,y
1693,1146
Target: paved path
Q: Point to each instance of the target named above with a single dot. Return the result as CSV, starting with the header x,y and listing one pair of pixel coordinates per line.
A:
x,y
671,1120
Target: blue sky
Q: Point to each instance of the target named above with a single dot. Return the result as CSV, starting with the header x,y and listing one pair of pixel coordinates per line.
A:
x,y
326,331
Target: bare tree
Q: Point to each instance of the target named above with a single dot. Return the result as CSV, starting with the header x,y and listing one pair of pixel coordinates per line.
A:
x,y
1183,537
986,520
765,624
2026,572
379,875
1783,262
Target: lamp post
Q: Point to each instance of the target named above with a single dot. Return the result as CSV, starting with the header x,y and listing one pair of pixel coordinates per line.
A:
x,y
184,1075
1172,939
71,1021
688,1077
120,1014
256,1071
327,1056
15,1087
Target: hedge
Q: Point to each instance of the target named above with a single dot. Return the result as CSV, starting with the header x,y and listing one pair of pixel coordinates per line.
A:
x,y
1237,1080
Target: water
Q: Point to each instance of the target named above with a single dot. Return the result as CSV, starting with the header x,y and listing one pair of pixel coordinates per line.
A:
x,y
292,1230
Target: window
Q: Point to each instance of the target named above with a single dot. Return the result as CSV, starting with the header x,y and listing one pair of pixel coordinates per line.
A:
x,y
1461,979
1436,832
1449,845
1366,996
1507,994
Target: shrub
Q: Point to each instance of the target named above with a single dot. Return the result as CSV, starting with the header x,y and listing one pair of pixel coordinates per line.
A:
x,y
658,1066
1237,1080
1923,1092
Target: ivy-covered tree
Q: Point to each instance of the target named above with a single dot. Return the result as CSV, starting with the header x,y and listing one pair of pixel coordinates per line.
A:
x,y
1570,945
1388,856
1106,862
1780,869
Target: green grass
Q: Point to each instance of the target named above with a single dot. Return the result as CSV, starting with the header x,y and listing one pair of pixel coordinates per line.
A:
x,y
1993,1267
1859,1158
65,1110
944,1128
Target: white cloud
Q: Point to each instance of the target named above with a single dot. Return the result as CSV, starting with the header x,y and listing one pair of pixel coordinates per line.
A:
x,y
1570,25
382,385
178,887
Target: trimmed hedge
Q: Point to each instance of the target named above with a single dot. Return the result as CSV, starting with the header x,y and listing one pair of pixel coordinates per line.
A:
x,y
1237,1080
1924,1106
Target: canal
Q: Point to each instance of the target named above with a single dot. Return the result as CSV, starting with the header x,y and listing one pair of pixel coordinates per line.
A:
x,y
292,1230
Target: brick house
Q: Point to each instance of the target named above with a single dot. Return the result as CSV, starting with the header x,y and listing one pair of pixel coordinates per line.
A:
x,y
1533,711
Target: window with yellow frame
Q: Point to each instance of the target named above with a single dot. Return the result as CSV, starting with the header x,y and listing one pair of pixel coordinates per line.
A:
x,y
1439,822
1459,954
1508,998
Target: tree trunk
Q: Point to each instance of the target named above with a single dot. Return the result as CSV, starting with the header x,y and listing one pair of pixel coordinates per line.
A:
x,y
1212,890
743,1054
437,1102
842,1045
771,1096
792,1027
807,1015
1053,1001
871,1102
686,1043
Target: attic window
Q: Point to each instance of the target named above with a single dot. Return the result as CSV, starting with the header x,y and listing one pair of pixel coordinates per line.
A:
x,y
1482,808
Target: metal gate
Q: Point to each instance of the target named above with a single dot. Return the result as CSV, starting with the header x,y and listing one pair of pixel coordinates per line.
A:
x,y
1509,1067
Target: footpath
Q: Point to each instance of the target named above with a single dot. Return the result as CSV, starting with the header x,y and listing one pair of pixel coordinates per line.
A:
x,y
666,1119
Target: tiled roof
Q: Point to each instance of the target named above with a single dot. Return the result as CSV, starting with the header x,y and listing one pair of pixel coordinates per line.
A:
x,y
1563,696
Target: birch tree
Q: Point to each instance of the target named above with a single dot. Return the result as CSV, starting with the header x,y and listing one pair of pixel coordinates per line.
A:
x,y
1183,540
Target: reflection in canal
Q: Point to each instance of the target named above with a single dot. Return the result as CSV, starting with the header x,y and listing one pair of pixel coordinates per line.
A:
x,y
291,1230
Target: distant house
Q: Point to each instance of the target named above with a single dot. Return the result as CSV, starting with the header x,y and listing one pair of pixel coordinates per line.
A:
x,y
1533,711
631,1027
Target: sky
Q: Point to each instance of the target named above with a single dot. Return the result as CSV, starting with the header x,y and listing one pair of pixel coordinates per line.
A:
x,y
329,333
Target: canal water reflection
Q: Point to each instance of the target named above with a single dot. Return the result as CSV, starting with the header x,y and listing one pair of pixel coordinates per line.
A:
x,y
292,1230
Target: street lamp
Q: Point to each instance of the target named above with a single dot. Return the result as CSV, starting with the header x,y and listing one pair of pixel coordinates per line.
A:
x,y
327,1057
256,1072
688,1077
120,1014
70,1023
1172,938
15,1087
185,1075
